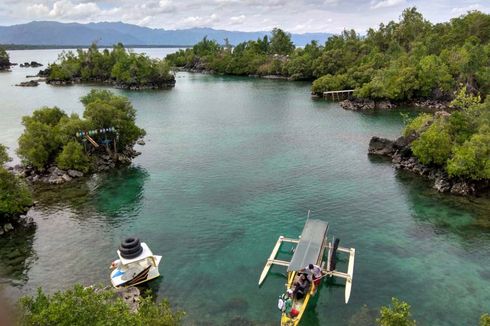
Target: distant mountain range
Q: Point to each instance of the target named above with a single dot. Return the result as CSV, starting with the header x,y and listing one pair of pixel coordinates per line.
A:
x,y
107,33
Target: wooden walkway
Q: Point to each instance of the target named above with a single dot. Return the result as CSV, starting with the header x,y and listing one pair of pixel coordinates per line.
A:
x,y
338,95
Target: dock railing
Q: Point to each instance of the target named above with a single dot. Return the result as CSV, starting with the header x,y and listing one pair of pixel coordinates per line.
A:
x,y
338,95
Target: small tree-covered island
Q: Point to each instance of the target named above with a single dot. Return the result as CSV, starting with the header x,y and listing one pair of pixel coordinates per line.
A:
x,y
4,60
56,147
119,67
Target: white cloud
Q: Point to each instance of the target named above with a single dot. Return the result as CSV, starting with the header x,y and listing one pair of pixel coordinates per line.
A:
x,y
38,10
67,9
198,21
166,6
237,20
386,3
463,10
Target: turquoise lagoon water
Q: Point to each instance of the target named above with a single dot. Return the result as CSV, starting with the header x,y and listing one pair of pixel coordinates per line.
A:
x,y
229,165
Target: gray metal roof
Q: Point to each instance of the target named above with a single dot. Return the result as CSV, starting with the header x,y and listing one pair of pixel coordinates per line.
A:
x,y
310,245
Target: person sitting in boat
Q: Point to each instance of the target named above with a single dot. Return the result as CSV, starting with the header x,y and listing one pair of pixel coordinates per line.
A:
x,y
314,273
288,303
301,287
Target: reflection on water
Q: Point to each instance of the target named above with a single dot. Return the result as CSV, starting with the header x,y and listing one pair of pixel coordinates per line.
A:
x,y
119,193
16,255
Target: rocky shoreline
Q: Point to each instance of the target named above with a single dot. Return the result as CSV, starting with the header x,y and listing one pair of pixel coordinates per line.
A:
x,y
133,87
368,104
55,176
402,158
22,221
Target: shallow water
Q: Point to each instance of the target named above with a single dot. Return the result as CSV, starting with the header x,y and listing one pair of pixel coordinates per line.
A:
x,y
229,165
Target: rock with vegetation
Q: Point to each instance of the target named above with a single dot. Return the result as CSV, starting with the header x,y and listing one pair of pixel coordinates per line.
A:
x,y
15,197
32,64
89,306
30,83
4,60
53,150
398,313
451,149
118,67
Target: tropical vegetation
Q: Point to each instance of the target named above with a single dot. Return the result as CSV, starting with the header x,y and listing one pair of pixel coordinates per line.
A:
x,y
397,314
4,59
118,66
399,61
459,142
87,306
51,136
15,197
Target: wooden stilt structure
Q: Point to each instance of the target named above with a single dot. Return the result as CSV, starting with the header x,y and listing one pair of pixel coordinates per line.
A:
x,y
338,95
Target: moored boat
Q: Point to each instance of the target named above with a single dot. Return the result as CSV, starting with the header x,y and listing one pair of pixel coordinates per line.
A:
x,y
136,264
309,251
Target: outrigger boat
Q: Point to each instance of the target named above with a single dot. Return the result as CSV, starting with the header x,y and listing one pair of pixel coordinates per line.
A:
x,y
136,264
310,249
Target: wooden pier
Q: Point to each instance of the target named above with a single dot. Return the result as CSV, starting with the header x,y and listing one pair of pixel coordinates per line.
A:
x,y
338,95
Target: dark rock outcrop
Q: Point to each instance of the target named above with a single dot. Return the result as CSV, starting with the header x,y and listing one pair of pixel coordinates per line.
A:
x,y
30,83
32,64
358,104
402,158
381,146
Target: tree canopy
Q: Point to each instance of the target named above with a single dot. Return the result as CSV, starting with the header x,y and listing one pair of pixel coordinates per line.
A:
x,y
4,59
86,306
403,60
397,314
118,66
50,134
15,197
459,142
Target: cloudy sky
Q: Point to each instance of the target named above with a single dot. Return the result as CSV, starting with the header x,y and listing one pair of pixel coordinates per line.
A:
x,y
245,15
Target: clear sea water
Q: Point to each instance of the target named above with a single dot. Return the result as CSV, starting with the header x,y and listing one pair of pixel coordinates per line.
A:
x,y
229,165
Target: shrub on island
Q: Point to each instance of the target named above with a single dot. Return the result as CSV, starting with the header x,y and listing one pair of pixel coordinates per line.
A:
x,y
4,59
88,306
119,67
15,197
107,129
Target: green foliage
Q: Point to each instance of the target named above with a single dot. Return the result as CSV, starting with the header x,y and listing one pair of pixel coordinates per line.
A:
x,y
120,66
472,159
330,83
39,143
14,195
399,61
4,59
417,125
73,156
49,134
85,306
397,314
485,320
464,100
4,157
281,42
104,109
460,143
434,145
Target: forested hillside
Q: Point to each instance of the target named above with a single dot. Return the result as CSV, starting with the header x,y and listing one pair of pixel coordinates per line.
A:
x,y
411,58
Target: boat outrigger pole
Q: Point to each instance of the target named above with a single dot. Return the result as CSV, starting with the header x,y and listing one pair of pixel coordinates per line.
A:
x,y
310,249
